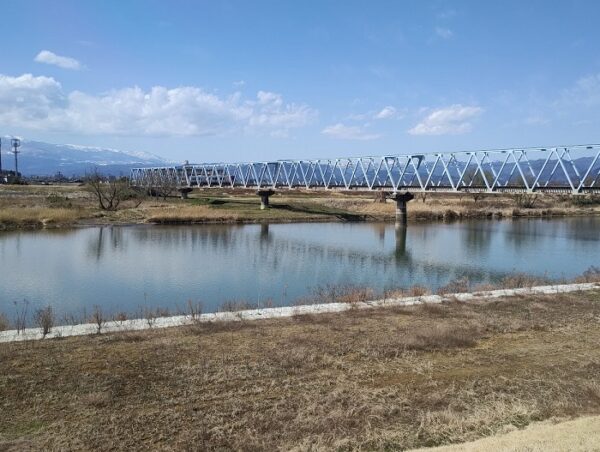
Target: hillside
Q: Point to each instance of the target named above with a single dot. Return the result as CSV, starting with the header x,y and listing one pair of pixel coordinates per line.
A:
x,y
39,158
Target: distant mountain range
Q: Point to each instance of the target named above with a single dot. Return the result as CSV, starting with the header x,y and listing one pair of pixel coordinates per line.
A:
x,y
38,158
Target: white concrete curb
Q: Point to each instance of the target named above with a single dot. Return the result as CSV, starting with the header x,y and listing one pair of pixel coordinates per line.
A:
x,y
272,313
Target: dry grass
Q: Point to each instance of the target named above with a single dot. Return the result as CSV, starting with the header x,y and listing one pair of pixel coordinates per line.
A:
x,y
386,379
38,216
68,204
449,207
190,214
577,435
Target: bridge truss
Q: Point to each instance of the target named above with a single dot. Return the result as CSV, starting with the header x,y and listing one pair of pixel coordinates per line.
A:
x,y
569,169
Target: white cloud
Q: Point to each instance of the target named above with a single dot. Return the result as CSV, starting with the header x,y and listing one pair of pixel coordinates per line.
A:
x,y
450,120
270,112
29,100
586,91
386,113
343,132
47,57
39,103
444,33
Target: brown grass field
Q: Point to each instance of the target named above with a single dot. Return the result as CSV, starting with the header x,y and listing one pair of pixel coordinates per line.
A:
x,y
382,379
37,206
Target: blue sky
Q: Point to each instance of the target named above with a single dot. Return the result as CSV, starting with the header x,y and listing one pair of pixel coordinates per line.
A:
x,y
239,80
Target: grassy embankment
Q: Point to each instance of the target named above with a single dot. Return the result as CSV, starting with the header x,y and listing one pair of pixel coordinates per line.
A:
x,y
383,379
69,205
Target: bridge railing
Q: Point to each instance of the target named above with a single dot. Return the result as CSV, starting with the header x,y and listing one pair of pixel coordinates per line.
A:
x,y
574,169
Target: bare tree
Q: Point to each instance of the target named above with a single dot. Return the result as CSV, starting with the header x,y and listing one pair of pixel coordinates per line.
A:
x,y
109,192
162,184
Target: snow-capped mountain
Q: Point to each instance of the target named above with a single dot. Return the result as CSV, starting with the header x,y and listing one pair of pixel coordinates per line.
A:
x,y
39,158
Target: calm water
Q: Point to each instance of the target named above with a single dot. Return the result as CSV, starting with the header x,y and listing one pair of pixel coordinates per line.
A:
x,y
130,268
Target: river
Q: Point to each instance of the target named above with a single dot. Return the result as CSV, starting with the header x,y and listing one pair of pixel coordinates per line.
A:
x,y
133,268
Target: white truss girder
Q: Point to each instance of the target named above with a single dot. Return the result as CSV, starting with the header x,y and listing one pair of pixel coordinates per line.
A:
x,y
492,171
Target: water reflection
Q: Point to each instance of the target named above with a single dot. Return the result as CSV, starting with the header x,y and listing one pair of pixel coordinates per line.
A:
x,y
401,254
264,232
122,268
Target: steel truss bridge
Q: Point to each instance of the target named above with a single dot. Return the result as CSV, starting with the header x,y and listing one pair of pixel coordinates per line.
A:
x,y
568,169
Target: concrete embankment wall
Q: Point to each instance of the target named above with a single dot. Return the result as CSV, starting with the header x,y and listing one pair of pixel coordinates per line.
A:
x,y
272,313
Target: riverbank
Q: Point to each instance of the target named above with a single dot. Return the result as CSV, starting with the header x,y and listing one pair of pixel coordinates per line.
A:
x,y
351,300
390,378
57,206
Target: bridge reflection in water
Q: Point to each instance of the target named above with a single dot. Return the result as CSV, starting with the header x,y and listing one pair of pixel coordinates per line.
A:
x,y
122,268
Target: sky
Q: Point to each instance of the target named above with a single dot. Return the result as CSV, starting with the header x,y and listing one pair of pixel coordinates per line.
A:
x,y
209,81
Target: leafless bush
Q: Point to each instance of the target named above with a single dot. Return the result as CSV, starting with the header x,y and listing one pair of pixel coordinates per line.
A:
x,y
459,285
417,291
521,280
150,316
59,202
194,309
592,274
389,294
21,310
70,319
237,305
268,303
354,294
326,294
526,200
120,317
4,323
588,200
135,195
98,318
485,287
108,191
477,196
44,319
332,293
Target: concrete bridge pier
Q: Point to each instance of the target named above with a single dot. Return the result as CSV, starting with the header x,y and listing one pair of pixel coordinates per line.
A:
x,y
401,200
183,192
264,197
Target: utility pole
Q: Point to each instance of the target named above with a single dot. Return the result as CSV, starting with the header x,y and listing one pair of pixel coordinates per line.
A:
x,y
0,157
15,144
